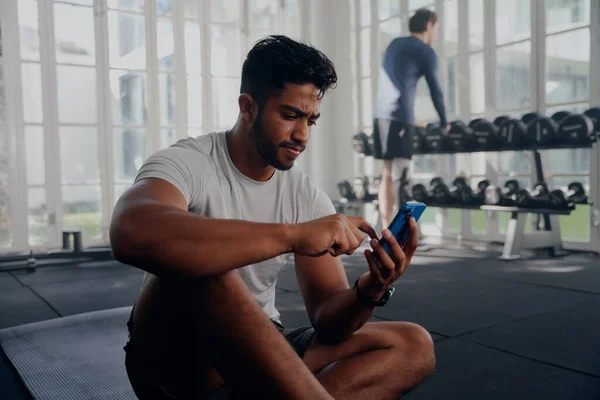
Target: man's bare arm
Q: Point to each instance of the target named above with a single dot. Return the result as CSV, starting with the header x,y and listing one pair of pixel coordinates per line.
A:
x,y
333,307
331,304
153,230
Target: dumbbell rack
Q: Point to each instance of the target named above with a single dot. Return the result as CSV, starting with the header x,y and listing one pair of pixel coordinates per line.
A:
x,y
516,237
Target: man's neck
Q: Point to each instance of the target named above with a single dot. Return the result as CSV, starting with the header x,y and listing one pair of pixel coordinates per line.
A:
x,y
245,157
420,35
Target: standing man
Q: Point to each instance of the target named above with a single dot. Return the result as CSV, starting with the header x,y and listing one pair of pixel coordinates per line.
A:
x,y
406,59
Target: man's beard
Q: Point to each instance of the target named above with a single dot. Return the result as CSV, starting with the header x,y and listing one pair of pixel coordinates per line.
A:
x,y
266,149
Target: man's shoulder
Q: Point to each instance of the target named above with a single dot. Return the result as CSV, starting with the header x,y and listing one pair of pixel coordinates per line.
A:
x,y
397,42
197,154
202,144
410,44
195,150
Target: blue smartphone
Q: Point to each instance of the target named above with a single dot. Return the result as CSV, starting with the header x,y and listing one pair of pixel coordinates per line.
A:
x,y
399,225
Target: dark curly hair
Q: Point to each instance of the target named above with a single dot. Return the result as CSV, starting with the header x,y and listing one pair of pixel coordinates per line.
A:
x,y
418,22
276,60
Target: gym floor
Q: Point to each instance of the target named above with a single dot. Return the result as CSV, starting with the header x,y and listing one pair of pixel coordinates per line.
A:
x,y
524,329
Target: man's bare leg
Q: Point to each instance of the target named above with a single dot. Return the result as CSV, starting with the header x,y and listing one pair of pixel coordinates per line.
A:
x,y
383,360
387,194
233,335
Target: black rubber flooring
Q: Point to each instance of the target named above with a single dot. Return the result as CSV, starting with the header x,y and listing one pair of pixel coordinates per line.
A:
x,y
525,329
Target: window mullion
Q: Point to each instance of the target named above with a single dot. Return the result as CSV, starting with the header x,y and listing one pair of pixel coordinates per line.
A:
x,y
105,127
538,54
50,121
14,124
595,101
179,69
205,37
153,121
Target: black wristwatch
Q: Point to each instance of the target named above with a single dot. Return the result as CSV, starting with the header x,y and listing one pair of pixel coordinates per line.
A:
x,y
370,303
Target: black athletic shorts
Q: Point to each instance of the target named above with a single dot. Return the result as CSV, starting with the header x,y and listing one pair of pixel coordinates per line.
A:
x,y
392,139
153,383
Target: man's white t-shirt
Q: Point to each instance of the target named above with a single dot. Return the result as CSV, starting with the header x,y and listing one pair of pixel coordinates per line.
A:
x,y
202,170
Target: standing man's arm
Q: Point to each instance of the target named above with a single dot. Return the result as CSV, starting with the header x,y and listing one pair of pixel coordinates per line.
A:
x,y
431,67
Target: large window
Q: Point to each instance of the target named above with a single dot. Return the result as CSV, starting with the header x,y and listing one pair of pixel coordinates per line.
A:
x,y
568,89
128,90
513,55
513,80
226,59
103,84
389,24
78,118
511,67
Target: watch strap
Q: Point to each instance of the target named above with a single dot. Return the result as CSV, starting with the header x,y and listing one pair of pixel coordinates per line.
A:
x,y
369,302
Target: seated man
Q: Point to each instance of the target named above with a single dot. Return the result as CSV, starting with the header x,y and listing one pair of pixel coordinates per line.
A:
x,y
211,220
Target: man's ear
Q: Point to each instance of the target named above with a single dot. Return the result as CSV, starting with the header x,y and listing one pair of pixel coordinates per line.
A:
x,y
248,107
429,27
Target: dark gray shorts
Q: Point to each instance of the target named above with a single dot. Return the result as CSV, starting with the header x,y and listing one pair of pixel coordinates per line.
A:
x,y
147,382
392,139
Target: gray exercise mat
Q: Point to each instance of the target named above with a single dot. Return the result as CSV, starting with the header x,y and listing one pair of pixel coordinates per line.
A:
x,y
76,357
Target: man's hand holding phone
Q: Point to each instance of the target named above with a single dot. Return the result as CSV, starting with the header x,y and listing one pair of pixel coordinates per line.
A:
x,y
384,268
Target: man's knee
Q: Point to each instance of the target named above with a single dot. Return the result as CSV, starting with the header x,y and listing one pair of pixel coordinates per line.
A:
x,y
386,171
417,342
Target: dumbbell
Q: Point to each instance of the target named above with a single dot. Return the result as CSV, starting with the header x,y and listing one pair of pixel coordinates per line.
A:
x,y
421,194
502,196
501,119
485,134
576,129
440,192
513,133
594,114
461,192
540,198
537,198
479,196
543,131
479,193
419,141
554,129
461,137
474,121
530,117
346,190
362,144
436,139
365,189
576,193
559,200
561,115
437,193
